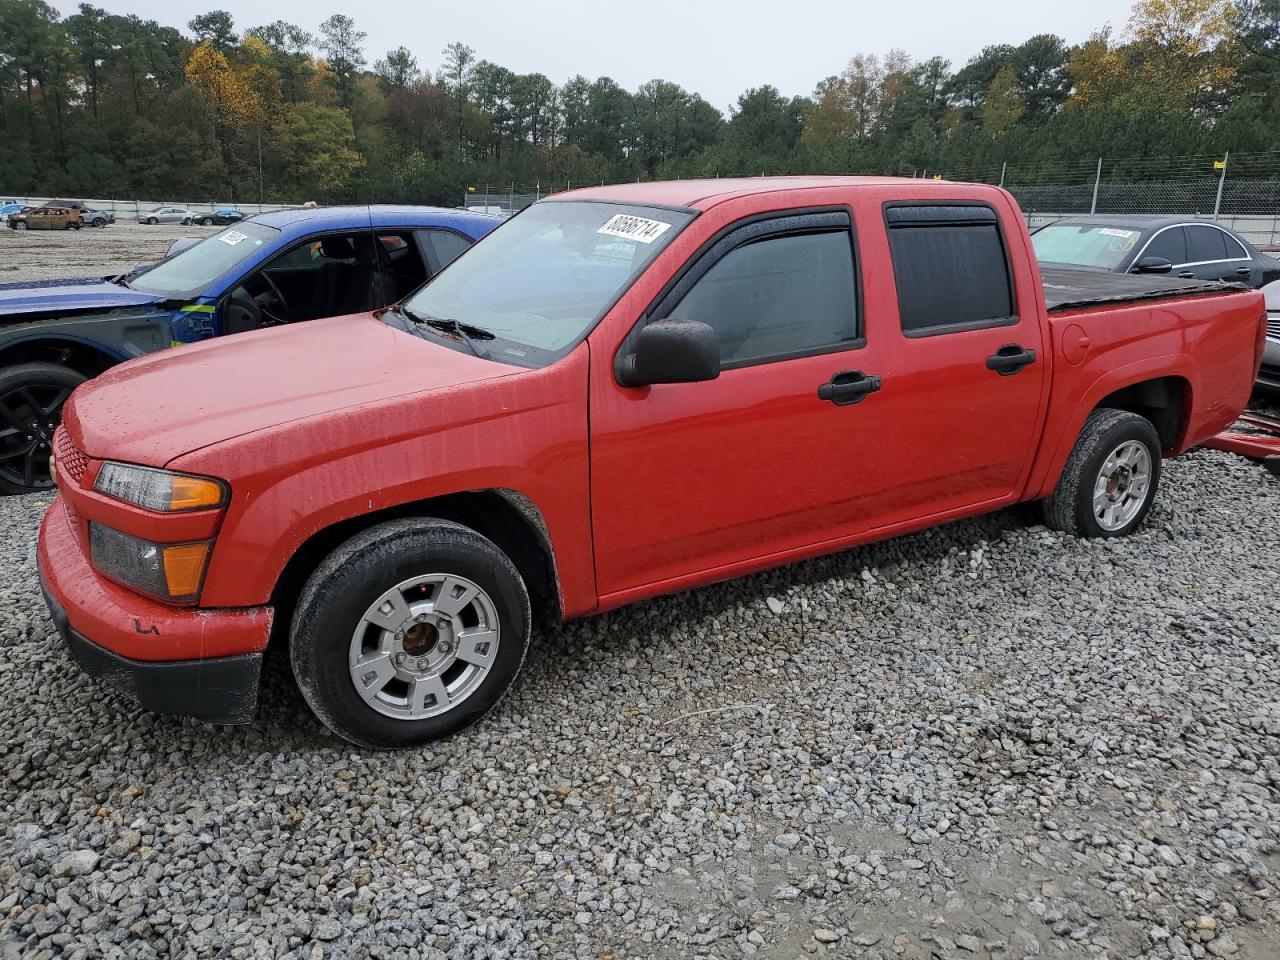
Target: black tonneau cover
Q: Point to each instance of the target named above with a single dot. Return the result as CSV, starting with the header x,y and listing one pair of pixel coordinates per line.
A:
x,y
1067,289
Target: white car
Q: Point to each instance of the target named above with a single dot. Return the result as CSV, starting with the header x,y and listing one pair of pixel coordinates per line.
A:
x,y
167,215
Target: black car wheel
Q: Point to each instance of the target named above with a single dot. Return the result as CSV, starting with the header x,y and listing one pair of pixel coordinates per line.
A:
x,y
20,225
31,399
152,220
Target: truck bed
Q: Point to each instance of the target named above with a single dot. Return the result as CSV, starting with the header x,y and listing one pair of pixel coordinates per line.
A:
x,y
1067,289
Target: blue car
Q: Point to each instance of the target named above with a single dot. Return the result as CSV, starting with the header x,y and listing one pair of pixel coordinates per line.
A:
x,y
275,268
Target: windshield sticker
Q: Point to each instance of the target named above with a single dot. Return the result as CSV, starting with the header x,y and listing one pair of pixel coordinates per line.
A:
x,y
1113,232
233,237
634,228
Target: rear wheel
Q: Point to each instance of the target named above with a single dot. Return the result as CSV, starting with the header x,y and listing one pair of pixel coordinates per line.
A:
x,y
31,399
1110,479
409,632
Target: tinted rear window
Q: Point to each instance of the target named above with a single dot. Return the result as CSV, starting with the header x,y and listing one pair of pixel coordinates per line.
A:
x,y
950,266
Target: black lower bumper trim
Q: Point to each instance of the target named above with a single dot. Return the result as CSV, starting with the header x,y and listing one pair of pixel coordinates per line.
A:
x,y
218,690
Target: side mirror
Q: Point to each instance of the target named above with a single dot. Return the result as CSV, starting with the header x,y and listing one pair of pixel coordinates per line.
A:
x,y
671,351
1152,265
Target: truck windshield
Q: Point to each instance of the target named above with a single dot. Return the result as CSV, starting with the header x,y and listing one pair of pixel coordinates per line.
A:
x,y
541,281
188,273
1084,244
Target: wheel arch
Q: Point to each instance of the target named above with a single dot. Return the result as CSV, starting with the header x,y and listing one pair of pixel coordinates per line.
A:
x,y
83,356
507,517
1165,401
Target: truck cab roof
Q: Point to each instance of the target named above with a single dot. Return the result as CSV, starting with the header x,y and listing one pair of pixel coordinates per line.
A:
x,y
701,194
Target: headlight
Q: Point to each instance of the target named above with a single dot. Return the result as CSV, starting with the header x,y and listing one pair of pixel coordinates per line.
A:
x,y
159,490
172,572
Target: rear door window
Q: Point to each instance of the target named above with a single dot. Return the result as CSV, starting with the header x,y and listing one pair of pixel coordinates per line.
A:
x,y
950,267
1170,244
1205,244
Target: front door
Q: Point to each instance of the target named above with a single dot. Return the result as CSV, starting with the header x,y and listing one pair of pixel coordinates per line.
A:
x,y
691,477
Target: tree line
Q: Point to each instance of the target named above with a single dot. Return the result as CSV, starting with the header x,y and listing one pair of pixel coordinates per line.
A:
x,y
106,105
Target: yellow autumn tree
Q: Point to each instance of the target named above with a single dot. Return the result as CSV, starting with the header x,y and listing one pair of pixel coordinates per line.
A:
x,y
230,99
1097,71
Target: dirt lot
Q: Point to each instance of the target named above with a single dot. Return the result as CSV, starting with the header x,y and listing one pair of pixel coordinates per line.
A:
x,y
52,254
987,740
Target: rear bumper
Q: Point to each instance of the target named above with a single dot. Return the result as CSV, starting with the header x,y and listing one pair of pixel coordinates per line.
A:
x,y
184,661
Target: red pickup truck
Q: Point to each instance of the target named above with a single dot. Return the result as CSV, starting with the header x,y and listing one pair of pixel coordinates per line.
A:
x,y
622,392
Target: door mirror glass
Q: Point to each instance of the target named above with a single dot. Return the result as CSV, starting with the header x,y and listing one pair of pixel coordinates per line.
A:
x,y
1153,265
672,351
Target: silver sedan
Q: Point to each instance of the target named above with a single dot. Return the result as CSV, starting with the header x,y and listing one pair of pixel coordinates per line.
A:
x,y
167,215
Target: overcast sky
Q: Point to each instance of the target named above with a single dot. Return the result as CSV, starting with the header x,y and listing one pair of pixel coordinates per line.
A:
x,y
717,48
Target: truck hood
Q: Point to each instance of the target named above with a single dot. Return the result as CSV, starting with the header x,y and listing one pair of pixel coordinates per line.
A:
x,y
156,408
68,296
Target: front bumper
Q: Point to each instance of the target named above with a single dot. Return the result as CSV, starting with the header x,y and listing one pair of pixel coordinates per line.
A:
x,y
184,661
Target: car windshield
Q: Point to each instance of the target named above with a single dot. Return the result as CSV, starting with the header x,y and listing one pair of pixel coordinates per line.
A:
x,y
541,281
192,270
1084,244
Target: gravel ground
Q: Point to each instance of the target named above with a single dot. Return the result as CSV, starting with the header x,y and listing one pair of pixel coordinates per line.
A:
x,y
986,740
52,254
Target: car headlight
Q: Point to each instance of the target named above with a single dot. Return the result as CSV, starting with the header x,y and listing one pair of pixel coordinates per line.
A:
x,y
159,490
166,571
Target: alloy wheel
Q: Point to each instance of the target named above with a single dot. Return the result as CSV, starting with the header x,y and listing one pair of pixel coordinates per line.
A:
x,y
29,415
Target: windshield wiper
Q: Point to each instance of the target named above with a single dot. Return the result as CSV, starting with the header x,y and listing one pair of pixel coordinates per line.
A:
x,y
467,332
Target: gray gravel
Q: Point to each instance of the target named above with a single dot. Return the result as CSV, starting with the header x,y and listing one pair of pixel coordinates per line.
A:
x,y
986,740
983,740
52,254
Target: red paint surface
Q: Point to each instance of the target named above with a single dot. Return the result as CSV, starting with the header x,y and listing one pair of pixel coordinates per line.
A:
x,y
659,488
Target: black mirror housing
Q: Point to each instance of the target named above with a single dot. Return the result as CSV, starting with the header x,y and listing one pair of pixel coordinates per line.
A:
x,y
1152,265
671,351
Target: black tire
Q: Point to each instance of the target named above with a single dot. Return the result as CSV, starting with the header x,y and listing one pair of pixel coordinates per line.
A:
x,y
186,221
1071,507
31,393
354,576
152,221
19,225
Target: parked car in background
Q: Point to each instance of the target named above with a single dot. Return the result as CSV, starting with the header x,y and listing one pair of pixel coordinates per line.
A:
x,y
167,215
623,392
274,269
96,218
6,209
221,217
1181,247
1269,373
1190,249
46,218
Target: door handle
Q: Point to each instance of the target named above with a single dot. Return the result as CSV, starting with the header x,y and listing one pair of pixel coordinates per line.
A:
x,y
1243,271
1009,359
848,387
1187,275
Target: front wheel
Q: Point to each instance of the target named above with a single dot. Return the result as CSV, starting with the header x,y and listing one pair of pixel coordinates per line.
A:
x,y
20,225
152,221
1110,479
31,399
409,632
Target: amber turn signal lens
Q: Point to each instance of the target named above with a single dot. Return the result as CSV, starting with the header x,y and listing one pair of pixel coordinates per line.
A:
x,y
193,493
184,568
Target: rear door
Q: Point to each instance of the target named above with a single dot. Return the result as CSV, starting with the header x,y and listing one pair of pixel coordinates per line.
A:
x,y
1213,255
967,381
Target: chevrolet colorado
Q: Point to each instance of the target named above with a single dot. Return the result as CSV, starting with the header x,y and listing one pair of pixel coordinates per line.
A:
x,y
621,392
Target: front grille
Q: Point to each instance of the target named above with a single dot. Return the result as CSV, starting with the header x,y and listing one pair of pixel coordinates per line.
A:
x,y
72,463
1273,326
